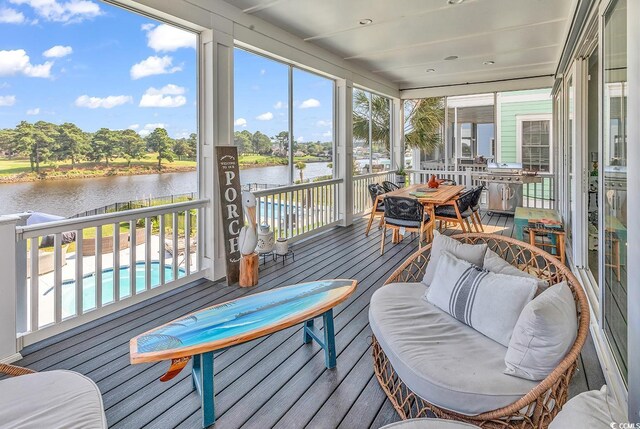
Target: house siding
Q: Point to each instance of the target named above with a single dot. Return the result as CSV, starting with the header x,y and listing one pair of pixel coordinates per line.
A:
x,y
509,111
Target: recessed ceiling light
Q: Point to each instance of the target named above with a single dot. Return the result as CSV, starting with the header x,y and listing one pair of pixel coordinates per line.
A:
x,y
454,1
489,63
365,21
431,70
451,58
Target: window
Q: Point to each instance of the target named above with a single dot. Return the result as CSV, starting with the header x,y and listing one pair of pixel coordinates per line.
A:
x,y
424,130
534,135
283,135
371,132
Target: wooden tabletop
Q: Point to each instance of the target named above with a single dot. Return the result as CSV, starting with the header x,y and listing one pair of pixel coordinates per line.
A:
x,y
442,195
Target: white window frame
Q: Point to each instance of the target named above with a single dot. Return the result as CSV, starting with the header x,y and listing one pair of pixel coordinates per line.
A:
x,y
534,117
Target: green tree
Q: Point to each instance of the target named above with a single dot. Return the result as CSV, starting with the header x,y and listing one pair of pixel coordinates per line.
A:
x,y
132,146
301,166
160,142
282,138
261,143
181,148
380,119
192,141
35,141
424,120
73,143
8,141
105,144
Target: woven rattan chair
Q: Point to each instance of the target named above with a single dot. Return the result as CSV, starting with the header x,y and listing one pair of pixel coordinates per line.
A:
x,y
13,370
375,190
539,406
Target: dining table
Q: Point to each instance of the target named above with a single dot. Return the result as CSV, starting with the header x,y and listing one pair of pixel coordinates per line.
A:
x,y
430,198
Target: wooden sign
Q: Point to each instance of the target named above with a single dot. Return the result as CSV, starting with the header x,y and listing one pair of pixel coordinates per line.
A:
x,y
231,205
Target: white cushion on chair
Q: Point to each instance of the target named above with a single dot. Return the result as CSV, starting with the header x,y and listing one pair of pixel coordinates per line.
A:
x,y
473,253
494,263
593,409
490,303
51,399
445,362
544,334
429,424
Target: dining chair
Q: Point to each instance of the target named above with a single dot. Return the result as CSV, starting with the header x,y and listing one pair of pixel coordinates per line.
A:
x,y
389,186
458,212
375,190
475,208
404,214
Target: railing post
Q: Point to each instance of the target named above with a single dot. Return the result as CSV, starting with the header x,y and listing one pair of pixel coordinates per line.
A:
x,y
344,150
22,290
8,287
467,177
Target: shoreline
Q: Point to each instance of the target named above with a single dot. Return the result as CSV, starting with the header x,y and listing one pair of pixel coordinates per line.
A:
x,y
90,174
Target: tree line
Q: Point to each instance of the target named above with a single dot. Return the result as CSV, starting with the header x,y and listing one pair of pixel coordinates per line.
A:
x,y
278,145
47,143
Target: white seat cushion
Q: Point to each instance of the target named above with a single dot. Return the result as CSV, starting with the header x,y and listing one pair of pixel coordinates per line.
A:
x,y
51,399
593,409
429,424
442,360
494,263
472,253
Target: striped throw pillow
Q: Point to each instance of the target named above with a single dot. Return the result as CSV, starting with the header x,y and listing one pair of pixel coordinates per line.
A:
x,y
488,302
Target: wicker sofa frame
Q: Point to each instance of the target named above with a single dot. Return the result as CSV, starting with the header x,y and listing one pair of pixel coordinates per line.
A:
x,y
539,406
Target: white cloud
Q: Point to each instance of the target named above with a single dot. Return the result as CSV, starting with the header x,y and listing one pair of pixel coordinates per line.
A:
x,y
240,122
327,134
72,11
166,38
322,123
33,112
11,16
263,72
7,100
105,103
18,62
133,126
300,139
58,51
152,66
146,27
279,105
267,116
167,96
146,130
4,85
311,102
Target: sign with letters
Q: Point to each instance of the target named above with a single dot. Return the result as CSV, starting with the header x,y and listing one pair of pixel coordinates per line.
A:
x,y
231,205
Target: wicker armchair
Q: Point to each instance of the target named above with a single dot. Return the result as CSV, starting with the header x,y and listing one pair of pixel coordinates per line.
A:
x,y
13,370
539,406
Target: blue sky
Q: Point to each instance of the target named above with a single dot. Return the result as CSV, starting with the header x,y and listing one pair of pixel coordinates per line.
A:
x,y
261,99
97,65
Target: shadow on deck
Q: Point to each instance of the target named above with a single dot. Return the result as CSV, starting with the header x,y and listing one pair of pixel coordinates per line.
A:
x,y
274,381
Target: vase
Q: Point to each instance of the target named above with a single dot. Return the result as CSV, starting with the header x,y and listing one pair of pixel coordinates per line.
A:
x,y
400,180
281,246
266,239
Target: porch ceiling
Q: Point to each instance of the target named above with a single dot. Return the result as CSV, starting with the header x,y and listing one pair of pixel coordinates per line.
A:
x,y
523,37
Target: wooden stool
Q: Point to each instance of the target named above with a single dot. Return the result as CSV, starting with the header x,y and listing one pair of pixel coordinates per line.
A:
x,y
545,232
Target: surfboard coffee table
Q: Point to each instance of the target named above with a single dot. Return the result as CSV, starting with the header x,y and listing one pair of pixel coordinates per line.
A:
x,y
197,335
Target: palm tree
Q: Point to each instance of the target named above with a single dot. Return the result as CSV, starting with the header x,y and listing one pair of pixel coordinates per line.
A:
x,y
301,166
424,119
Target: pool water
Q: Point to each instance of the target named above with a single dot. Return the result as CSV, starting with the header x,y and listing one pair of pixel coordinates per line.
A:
x,y
89,285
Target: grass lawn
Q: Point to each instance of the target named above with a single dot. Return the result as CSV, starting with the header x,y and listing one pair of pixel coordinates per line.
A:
x,y
266,160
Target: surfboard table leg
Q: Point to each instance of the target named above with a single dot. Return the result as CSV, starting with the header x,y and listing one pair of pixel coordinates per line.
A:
x,y
202,377
328,342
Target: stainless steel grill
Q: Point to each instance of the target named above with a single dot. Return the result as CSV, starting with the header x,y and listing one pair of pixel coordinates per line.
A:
x,y
504,186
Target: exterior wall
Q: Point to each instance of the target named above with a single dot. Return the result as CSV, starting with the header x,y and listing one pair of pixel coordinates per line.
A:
x,y
508,112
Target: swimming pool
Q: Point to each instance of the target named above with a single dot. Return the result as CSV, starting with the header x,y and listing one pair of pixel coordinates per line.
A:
x,y
89,285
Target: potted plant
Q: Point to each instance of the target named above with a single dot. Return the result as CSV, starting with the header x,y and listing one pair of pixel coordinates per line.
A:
x,y
401,176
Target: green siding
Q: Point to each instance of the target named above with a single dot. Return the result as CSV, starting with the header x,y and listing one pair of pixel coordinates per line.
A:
x,y
508,114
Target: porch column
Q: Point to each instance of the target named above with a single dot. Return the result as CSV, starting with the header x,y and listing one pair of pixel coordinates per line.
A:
x,y
216,125
8,285
343,159
633,205
397,133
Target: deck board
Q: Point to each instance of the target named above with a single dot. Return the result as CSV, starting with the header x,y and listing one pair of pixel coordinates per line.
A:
x,y
274,381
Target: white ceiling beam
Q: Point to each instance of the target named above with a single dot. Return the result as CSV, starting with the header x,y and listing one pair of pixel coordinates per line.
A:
x,y
477,88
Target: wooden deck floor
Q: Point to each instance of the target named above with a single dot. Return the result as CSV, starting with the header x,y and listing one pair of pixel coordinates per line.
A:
x,y
274,381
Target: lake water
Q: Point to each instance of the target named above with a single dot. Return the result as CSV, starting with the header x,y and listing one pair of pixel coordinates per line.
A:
x,y
72,196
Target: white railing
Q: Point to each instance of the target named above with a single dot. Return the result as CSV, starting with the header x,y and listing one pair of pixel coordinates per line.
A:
x,y
83,268
540,193
361,197
295,211
461,177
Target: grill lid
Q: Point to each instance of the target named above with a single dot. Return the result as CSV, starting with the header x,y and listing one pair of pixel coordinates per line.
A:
x,y
505,167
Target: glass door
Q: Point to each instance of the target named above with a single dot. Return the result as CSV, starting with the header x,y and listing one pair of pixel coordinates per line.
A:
x,y
569,156
613,204
590,158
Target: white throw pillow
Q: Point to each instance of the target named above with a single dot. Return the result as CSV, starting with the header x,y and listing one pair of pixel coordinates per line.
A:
x,y
490,303
592,409
494,263
472,253
546,330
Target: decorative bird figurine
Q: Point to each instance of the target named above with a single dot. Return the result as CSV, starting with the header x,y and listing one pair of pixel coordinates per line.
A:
x,y
248,238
